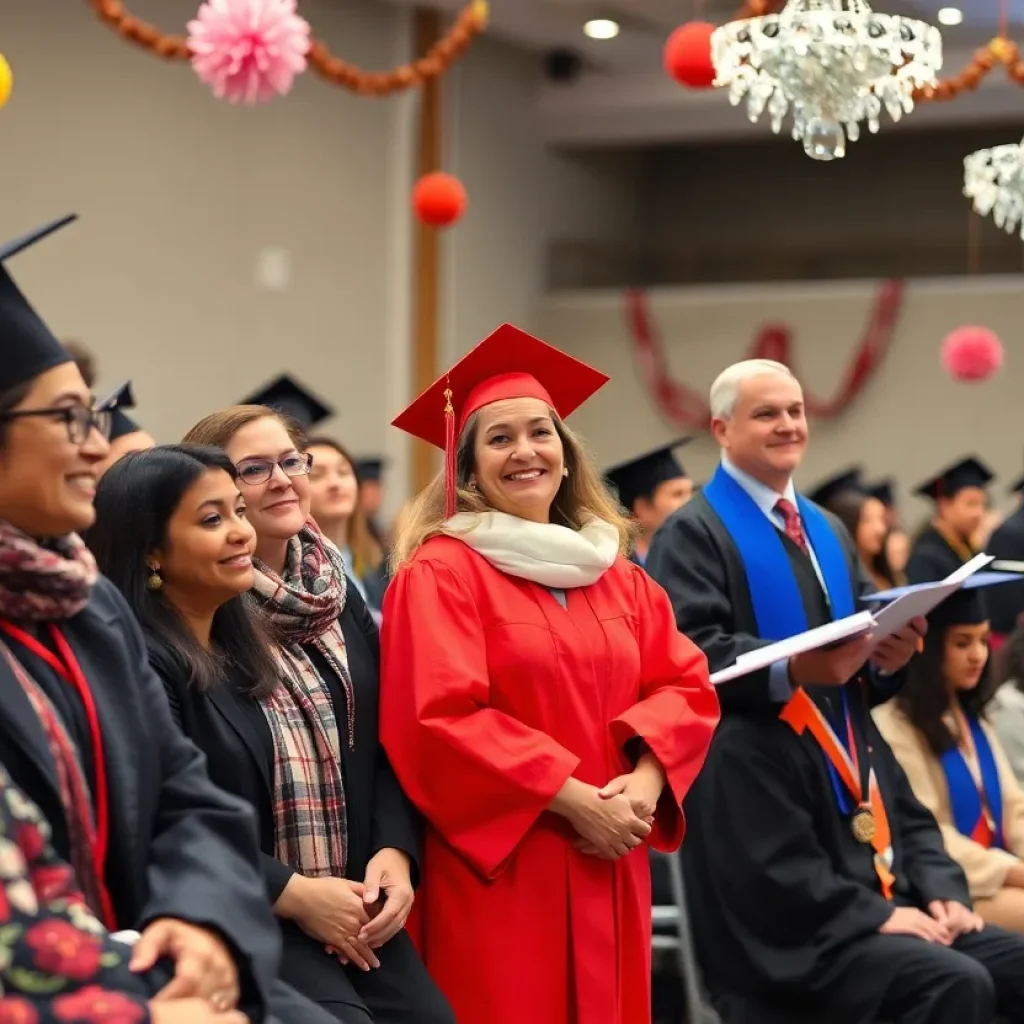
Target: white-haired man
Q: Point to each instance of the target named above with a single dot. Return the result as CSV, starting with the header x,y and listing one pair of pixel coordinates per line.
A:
x,y
819,886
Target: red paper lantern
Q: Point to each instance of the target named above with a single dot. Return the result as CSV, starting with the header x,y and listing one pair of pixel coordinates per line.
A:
x,y
972,353
688,55
439,199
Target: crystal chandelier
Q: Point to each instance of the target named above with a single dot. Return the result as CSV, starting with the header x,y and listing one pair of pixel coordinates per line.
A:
x,y
833,63
994,182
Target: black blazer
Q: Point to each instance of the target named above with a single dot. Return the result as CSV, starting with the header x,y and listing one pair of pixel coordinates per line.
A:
x,y
178,846
228,726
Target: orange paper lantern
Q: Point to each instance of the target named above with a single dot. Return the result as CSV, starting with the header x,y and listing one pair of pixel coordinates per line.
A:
x,y
439,199
688,55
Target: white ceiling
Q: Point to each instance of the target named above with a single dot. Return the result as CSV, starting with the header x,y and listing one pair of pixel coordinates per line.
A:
x,y
623,96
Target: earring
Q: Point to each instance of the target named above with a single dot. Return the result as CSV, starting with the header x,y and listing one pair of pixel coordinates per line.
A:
x,y
472,485
565,471
154,582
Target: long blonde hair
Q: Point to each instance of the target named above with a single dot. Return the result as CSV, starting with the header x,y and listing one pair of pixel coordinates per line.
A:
x,y
582,496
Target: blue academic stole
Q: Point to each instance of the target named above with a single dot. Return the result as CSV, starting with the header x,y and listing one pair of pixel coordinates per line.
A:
x,y
774,592
968,812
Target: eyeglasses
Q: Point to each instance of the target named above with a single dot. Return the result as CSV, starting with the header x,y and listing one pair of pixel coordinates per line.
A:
x,y
78,419
259,471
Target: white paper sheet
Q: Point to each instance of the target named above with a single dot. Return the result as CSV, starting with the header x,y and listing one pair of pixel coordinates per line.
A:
x,y
923,598
831,633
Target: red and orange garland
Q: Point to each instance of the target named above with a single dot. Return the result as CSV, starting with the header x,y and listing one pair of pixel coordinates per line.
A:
x,y
470,23
688,408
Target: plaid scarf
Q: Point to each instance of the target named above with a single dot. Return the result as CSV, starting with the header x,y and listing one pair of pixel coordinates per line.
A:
x,y
309,800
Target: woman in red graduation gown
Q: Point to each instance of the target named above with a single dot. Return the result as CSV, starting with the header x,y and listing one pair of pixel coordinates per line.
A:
x,y
538,704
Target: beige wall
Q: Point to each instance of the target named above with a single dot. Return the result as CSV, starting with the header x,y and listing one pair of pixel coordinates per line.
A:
x,y
179,195
909,421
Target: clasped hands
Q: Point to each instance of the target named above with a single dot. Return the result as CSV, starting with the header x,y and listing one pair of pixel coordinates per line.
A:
x,y
943,924
615,819
205,985
353,919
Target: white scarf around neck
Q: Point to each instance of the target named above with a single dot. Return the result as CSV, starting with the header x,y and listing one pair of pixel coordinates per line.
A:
x,y
553,556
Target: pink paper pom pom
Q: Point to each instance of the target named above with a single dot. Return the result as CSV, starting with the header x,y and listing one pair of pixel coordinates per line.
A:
x,y
972,353
248,51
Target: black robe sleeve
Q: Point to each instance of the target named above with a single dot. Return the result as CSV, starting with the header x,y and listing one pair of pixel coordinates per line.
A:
x,y
394,824
931,558
782,898
203,856
686,561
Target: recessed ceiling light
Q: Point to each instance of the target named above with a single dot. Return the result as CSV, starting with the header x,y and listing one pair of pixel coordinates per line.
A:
x,y
950,16
601,28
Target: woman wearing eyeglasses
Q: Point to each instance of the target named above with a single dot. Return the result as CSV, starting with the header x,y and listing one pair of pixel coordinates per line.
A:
x,y
85,729
343,841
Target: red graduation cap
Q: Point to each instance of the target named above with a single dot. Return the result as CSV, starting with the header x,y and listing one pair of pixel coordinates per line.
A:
x,y
509,363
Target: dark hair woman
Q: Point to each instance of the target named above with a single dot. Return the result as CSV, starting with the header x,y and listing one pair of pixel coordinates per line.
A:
x,y
171,534
340,838
864,516
335,490
937,729
87,731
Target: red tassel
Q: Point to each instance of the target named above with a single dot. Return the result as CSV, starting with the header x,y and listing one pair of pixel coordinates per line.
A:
x,y
449,456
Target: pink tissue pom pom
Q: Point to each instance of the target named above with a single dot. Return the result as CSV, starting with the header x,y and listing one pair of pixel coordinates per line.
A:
x,y
248,51
972,353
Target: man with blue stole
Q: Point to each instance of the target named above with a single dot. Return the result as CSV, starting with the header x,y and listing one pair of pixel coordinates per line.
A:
x,y
651,487
810,865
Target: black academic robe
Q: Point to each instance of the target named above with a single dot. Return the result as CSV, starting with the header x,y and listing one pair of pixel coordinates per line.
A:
x,y
178,846
695,559
932,558
1005,603
230,727
781,894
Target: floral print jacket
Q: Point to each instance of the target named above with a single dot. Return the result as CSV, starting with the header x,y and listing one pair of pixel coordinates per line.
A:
x,y
57,963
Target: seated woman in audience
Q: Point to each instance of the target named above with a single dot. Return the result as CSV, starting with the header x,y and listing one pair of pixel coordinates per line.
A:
x,y
87,733
538,703
938,731
341,838
60,965
334,490
864,517
171,534
1006,712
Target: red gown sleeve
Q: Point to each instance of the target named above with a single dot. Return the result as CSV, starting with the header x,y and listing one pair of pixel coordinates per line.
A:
x,y
479,776
678,708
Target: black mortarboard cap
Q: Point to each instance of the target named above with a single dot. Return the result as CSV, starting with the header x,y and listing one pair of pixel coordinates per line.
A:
x,y
964,607
884,491
370,467
840,483
29,346
969,472
640,477
287,396
967,606
120,422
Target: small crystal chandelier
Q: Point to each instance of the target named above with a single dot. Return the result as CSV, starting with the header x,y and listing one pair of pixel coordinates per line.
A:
x,y
833,63
994,182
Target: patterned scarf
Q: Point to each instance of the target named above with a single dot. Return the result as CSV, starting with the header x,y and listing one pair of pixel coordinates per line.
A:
x,y
304,604
43,584
52,583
